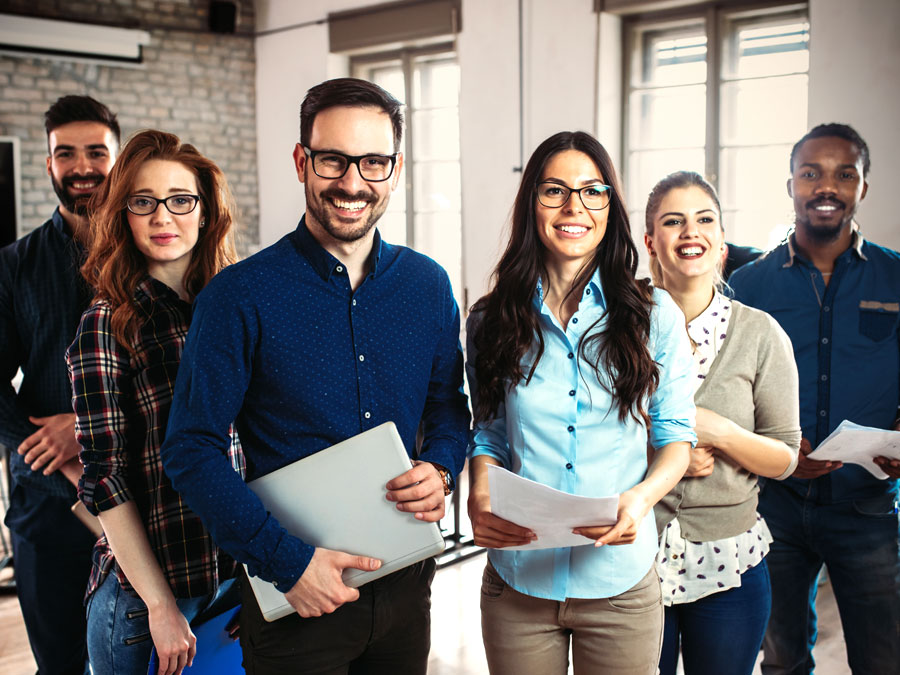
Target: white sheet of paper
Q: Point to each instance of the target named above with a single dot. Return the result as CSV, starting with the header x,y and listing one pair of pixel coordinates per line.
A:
x,y
860,445
547,512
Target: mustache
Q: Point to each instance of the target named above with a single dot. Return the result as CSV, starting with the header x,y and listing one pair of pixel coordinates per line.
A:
x,y
819,201
343,195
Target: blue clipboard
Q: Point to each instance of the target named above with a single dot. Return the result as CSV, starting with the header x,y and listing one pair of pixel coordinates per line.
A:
x,y
216,654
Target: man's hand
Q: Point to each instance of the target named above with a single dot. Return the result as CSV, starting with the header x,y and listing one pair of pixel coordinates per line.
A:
x,y
492,531
420,491
703,461
52,445
890,466
321,590
812,468
633,506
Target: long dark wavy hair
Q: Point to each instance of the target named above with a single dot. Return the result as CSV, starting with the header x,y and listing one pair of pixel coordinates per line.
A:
x,y
509,324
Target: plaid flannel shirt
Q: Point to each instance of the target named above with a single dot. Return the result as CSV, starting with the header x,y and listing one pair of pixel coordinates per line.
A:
x,y
121,403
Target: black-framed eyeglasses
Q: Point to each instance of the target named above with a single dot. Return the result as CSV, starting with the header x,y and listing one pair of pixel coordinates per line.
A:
x,y
332,164
144,205
595,197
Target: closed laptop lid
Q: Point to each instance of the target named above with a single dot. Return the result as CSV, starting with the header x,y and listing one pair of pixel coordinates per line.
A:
x,y
335,499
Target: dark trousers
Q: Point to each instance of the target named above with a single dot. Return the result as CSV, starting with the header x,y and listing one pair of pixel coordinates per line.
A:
x,y
52,565
387,631
722,633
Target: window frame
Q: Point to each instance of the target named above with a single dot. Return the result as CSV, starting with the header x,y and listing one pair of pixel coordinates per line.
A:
x,y
720,21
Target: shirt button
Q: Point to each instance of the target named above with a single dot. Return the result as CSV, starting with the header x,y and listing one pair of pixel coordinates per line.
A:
x,y
339,268
575,320
571,392
569,465
824,341
824,377
822,413
367,414
570,428
362,358
354,302
826,308
570,355
588,291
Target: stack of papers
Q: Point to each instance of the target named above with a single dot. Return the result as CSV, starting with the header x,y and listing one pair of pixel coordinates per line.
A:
x,y
549,513
857,444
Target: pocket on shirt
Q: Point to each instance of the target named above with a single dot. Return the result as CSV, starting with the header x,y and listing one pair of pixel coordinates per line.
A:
x,y
878,320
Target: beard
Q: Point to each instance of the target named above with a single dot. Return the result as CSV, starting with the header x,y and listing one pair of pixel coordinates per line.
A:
x,y
824,234
333,224
76,205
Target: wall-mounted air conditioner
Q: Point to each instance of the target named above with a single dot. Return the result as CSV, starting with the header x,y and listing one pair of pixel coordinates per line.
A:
x,y
25,35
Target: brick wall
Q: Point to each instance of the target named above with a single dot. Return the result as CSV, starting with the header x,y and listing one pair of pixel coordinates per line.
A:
x,y
193,83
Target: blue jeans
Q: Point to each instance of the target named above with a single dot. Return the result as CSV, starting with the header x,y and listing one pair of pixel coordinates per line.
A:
x,y
859,542
118,630
720,634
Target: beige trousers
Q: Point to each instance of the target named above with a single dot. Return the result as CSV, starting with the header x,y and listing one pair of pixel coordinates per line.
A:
x,y
525,635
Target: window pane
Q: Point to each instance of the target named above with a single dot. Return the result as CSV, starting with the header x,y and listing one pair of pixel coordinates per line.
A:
x,y
393,227
435,84
436,134
671,58
668,118
438,235
774,49
770,110
646,169
389,78
753,182
437,187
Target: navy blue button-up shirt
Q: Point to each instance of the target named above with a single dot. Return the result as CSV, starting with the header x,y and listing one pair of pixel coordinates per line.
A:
x,y
282,345
846,343
42,296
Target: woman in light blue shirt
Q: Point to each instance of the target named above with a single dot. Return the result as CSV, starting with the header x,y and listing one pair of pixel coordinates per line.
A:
x,y
574,366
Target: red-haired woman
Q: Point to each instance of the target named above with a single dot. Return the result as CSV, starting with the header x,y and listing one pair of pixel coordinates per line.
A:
x,y
161,227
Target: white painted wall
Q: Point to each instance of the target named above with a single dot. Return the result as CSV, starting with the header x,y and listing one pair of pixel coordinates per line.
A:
x,y
287,64
854,75
854,78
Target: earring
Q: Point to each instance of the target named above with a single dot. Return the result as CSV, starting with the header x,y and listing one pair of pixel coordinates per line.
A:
x,y
203,222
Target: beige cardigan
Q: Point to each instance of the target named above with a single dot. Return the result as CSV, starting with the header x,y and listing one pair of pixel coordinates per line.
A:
x,y
753,382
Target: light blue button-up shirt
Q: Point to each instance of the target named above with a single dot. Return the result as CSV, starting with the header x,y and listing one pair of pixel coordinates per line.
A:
x,y
563,430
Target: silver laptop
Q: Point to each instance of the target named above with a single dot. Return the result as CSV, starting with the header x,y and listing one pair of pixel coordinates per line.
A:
x,y
335,499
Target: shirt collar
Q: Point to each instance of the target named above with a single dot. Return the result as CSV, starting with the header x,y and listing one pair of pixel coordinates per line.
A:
x,y
856,245
322,261
708,318
154,289
593,290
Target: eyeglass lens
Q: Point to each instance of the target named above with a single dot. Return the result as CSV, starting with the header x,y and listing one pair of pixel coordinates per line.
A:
x,y
371,167
143,205
554,195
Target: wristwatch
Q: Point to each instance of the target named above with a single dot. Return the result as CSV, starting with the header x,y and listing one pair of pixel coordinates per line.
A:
x,y
445,477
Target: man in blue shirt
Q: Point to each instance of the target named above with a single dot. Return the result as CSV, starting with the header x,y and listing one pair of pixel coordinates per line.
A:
x,y
42,296
329,332
838,298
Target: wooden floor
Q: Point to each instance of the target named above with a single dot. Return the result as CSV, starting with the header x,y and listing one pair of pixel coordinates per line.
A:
x,y
456,628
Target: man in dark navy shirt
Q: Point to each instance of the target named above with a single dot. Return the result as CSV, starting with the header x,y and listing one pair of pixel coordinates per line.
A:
x,y
42,297
325,334
838,298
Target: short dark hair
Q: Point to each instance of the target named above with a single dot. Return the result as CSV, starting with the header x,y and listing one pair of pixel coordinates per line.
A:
x,y
834,129
349,91
80,109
